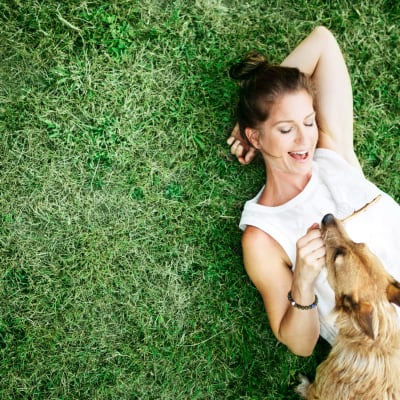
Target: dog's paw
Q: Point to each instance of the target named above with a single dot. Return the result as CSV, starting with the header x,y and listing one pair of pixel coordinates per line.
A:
x,y
302,388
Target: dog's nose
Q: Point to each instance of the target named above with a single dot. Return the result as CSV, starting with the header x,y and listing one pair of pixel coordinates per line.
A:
x,y
327,219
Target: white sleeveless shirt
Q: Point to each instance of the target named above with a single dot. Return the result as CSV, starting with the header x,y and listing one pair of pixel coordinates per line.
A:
x,y
338,188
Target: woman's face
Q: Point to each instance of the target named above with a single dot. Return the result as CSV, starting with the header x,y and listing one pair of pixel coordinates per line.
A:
x,y
289,137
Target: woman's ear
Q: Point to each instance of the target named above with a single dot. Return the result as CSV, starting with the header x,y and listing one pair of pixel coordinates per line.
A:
x,y
253,136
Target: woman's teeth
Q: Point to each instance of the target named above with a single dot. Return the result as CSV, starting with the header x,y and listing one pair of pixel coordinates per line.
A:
x,y
299,155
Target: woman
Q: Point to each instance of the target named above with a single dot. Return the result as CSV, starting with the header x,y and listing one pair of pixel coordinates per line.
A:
x,y
302,124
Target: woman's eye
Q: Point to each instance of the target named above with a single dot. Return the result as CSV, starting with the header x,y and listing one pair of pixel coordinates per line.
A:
x,y
309,123
285,130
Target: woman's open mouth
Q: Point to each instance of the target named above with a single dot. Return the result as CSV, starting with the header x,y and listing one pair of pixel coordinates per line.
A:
x,y
299,155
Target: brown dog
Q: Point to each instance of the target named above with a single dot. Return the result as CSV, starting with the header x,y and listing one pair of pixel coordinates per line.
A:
x,y
364,362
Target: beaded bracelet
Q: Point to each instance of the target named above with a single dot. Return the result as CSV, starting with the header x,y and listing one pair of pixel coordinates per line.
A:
x,y
294,304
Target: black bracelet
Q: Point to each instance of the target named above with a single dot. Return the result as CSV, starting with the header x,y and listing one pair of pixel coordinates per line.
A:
x,y
299,306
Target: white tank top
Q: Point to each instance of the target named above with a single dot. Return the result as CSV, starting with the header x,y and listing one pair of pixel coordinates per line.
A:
x,y
338,188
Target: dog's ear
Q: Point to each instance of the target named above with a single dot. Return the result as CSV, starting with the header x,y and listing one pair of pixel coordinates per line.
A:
x,y
364,318
393,292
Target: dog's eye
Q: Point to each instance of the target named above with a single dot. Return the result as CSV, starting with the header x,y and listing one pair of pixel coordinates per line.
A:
x,y
339,252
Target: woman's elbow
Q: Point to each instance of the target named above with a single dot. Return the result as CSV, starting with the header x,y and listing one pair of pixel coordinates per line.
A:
x,y
302,347
322,30
301,351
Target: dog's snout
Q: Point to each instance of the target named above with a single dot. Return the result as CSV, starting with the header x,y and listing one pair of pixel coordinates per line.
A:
x,y
328,218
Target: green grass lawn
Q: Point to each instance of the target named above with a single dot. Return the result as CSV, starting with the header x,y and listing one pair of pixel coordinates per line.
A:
x,y
121,273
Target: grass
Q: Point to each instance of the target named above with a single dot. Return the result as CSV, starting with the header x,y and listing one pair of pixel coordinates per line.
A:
x,y
121,269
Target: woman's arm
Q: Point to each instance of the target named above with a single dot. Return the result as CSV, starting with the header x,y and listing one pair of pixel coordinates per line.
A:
x,y
319,56
268,267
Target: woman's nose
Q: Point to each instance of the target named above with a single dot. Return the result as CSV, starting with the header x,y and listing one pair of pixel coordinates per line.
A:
x,y
300,135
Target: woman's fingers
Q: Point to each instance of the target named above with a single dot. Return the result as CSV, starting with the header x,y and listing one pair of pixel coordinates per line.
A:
x,y
237,148
313,233
249,156
245,154
230,140
311,251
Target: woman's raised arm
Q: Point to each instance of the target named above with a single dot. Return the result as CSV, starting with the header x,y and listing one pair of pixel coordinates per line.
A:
x,y
319,56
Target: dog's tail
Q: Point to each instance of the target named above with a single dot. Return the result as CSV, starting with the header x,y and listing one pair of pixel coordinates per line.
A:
x,y
302,388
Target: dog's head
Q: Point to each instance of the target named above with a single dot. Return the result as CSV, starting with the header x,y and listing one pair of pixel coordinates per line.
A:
x,y
356,275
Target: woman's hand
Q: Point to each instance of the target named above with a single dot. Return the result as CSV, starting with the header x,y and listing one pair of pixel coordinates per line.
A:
x,y
310,258
243,152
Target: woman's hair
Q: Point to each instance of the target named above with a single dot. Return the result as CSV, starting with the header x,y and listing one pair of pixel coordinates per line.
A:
x,y
261,84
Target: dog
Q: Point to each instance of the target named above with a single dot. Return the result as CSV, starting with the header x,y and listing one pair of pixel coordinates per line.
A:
x,y
364,362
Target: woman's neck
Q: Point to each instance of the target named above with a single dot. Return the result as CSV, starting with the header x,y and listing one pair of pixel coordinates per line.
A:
x,y
282,187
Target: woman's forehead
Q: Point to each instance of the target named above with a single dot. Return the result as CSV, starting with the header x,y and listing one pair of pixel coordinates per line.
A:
x,y
292,107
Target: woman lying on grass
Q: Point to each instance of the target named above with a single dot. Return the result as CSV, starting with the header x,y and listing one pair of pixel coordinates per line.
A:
x,y
299,117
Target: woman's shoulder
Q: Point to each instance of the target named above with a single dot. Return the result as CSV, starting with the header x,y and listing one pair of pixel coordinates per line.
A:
x,y
329,161
323,153
264,258
328,150
261,244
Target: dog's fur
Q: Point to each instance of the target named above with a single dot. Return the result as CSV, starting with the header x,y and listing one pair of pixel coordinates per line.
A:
x,y
364,362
